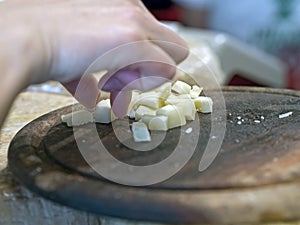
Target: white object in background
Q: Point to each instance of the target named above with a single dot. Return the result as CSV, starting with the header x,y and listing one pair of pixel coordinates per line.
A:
x,y
235,57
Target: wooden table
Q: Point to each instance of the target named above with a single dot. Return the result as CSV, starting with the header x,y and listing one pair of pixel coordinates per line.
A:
x,y
20,206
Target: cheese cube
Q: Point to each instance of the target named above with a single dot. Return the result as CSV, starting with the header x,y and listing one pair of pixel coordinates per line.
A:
x,y
103,112
185,103
156,122
174,114
150,99
143,110
196,91
177,99
203,104
188,109
140,132
147,118
78,118
67,118
164,90
181,87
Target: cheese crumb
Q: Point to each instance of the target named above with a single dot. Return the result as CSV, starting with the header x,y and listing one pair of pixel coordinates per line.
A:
x,y
285,115
189,130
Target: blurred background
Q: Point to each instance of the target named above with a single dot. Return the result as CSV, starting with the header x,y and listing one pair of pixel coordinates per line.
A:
x,y
249,42
270,26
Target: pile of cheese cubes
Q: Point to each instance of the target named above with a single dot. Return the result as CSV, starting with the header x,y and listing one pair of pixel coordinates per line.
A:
x,y
166,107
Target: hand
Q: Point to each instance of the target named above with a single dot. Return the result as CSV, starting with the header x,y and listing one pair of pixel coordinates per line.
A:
x,y
58,40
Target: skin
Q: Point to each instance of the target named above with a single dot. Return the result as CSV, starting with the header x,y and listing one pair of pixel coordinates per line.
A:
x,y
59,40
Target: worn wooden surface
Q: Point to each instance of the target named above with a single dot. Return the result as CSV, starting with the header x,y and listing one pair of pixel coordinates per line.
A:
x,y
18,206
257,145
254,179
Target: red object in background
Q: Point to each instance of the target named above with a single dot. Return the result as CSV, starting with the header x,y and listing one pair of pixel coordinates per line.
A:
x,y
173,13
294,79
170,14
291,55
239,80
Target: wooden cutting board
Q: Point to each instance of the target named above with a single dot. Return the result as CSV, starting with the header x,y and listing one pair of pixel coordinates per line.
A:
x,y
254,177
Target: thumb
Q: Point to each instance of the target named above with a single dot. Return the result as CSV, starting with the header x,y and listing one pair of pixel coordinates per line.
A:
x,y
85,90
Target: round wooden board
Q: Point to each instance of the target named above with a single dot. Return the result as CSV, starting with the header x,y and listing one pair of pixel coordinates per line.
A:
x,y
254,177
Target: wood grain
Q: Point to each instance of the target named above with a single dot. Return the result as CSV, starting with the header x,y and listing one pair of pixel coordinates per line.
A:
x,y
18,206
255,177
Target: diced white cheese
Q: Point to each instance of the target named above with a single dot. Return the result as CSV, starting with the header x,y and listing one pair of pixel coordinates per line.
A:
x,y
78,118
174,114
181,87
140,132
177,99
185,103
188,109
103,112
150,99
67,118
143,110
163,108
156,122
196,91
164,90
146,119
203,104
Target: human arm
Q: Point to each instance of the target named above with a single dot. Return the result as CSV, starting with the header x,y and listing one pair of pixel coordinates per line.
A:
x,y
58,40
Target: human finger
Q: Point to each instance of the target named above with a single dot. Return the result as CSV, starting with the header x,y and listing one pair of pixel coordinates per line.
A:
x,y
85,90
119,102
145,60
